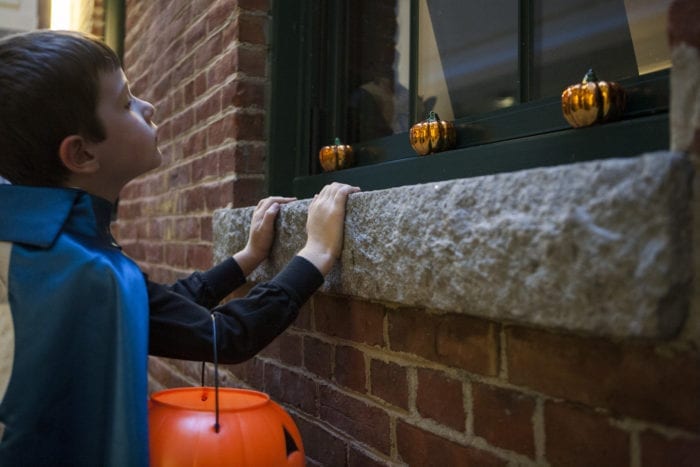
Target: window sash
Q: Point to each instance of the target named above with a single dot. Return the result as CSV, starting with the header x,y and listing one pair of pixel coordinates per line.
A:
x,y
305,83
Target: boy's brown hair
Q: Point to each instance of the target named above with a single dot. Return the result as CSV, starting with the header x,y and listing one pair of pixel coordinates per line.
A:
x,y
49,89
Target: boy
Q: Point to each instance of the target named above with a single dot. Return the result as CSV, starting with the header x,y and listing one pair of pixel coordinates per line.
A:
x,y
77,318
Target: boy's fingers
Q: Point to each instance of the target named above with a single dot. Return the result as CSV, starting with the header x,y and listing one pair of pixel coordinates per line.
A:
x,y
265,203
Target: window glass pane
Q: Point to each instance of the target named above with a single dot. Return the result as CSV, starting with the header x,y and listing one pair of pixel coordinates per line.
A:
x,y
618,39
377,51
468,56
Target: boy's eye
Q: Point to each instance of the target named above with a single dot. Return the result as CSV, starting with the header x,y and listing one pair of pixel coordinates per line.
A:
x,y
128,105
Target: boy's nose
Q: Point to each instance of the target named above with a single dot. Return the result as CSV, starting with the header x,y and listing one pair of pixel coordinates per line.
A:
x,y
148,111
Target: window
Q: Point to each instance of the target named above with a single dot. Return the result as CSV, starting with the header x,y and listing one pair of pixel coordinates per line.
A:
x,y
366,70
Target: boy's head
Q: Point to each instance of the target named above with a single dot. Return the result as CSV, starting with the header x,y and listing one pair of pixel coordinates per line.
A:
x,y
49,89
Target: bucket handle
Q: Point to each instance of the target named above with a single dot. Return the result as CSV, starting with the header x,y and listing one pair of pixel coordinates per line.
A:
x,y
217,426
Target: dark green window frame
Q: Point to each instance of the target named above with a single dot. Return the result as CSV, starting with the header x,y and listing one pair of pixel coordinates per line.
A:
x,y
305,83
115,19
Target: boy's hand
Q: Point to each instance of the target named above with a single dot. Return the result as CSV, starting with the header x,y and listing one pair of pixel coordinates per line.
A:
x,y
262,233
325,225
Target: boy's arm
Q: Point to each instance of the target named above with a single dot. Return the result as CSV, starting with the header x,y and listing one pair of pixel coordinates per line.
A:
x,y
210,287
181,329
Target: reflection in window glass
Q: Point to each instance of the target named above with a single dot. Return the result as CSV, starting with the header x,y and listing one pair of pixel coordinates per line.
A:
x,y
617,39
377,68
468,51
468,55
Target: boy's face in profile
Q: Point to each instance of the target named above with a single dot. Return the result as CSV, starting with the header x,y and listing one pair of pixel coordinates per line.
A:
x,y
131,146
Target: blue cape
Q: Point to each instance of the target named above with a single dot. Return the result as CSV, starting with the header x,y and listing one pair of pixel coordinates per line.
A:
x,y
73,386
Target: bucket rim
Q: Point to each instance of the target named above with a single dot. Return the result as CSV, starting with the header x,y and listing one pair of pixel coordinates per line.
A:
x,y
262,398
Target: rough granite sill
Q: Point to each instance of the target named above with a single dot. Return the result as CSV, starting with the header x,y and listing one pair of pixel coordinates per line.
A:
x,y
601,248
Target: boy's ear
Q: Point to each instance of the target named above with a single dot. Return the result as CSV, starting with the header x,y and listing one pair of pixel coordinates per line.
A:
x,y
75,156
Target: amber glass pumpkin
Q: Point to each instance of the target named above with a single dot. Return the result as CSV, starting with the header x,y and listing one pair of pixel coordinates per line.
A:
x,y
336,156
251,429
592,101
432,135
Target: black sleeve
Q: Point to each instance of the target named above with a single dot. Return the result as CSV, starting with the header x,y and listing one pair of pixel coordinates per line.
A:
x,y
181,328
209,288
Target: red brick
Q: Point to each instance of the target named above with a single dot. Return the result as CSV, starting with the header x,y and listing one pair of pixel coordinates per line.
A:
x,y
350,368
246,192
288,387
303,321
248,126
366,423
251,61
220,130
320,445
186,228
242,93
683,23
631,379
660,451
182,123
355,320
419,447
317,357
206,166
175,254
206,233
251,371
207,108
163,372
251,29
504,418
181,73
290,349
219,13
199,257
254,5
153,252
205,53
195,34
440,398
389,382
200,83
191,200
357,458
454,340
218,195
576,437
220,71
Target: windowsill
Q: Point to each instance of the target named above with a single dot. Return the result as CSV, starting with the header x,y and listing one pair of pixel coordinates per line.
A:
x,y
642,134
597,247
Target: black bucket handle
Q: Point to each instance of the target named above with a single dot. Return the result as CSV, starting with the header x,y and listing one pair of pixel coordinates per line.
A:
x,y
217,426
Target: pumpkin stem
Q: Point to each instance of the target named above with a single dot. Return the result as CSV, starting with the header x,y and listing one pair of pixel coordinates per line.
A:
x,y
590,77
337,141
433,117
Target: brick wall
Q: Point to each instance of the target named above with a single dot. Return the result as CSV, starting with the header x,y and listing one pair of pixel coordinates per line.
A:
x,y
203,65
375,383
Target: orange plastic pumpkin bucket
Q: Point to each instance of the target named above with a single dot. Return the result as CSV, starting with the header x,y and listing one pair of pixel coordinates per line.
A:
x,y
253,430
205,426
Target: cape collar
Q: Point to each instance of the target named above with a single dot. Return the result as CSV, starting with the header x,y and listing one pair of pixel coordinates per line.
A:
x,y
37,215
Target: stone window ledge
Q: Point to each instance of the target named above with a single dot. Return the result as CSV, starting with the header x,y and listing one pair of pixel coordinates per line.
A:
x,y
601,248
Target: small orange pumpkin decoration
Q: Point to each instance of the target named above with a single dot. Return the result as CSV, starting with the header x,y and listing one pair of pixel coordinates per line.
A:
x,y
432,135
592,101
253,429
336,156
